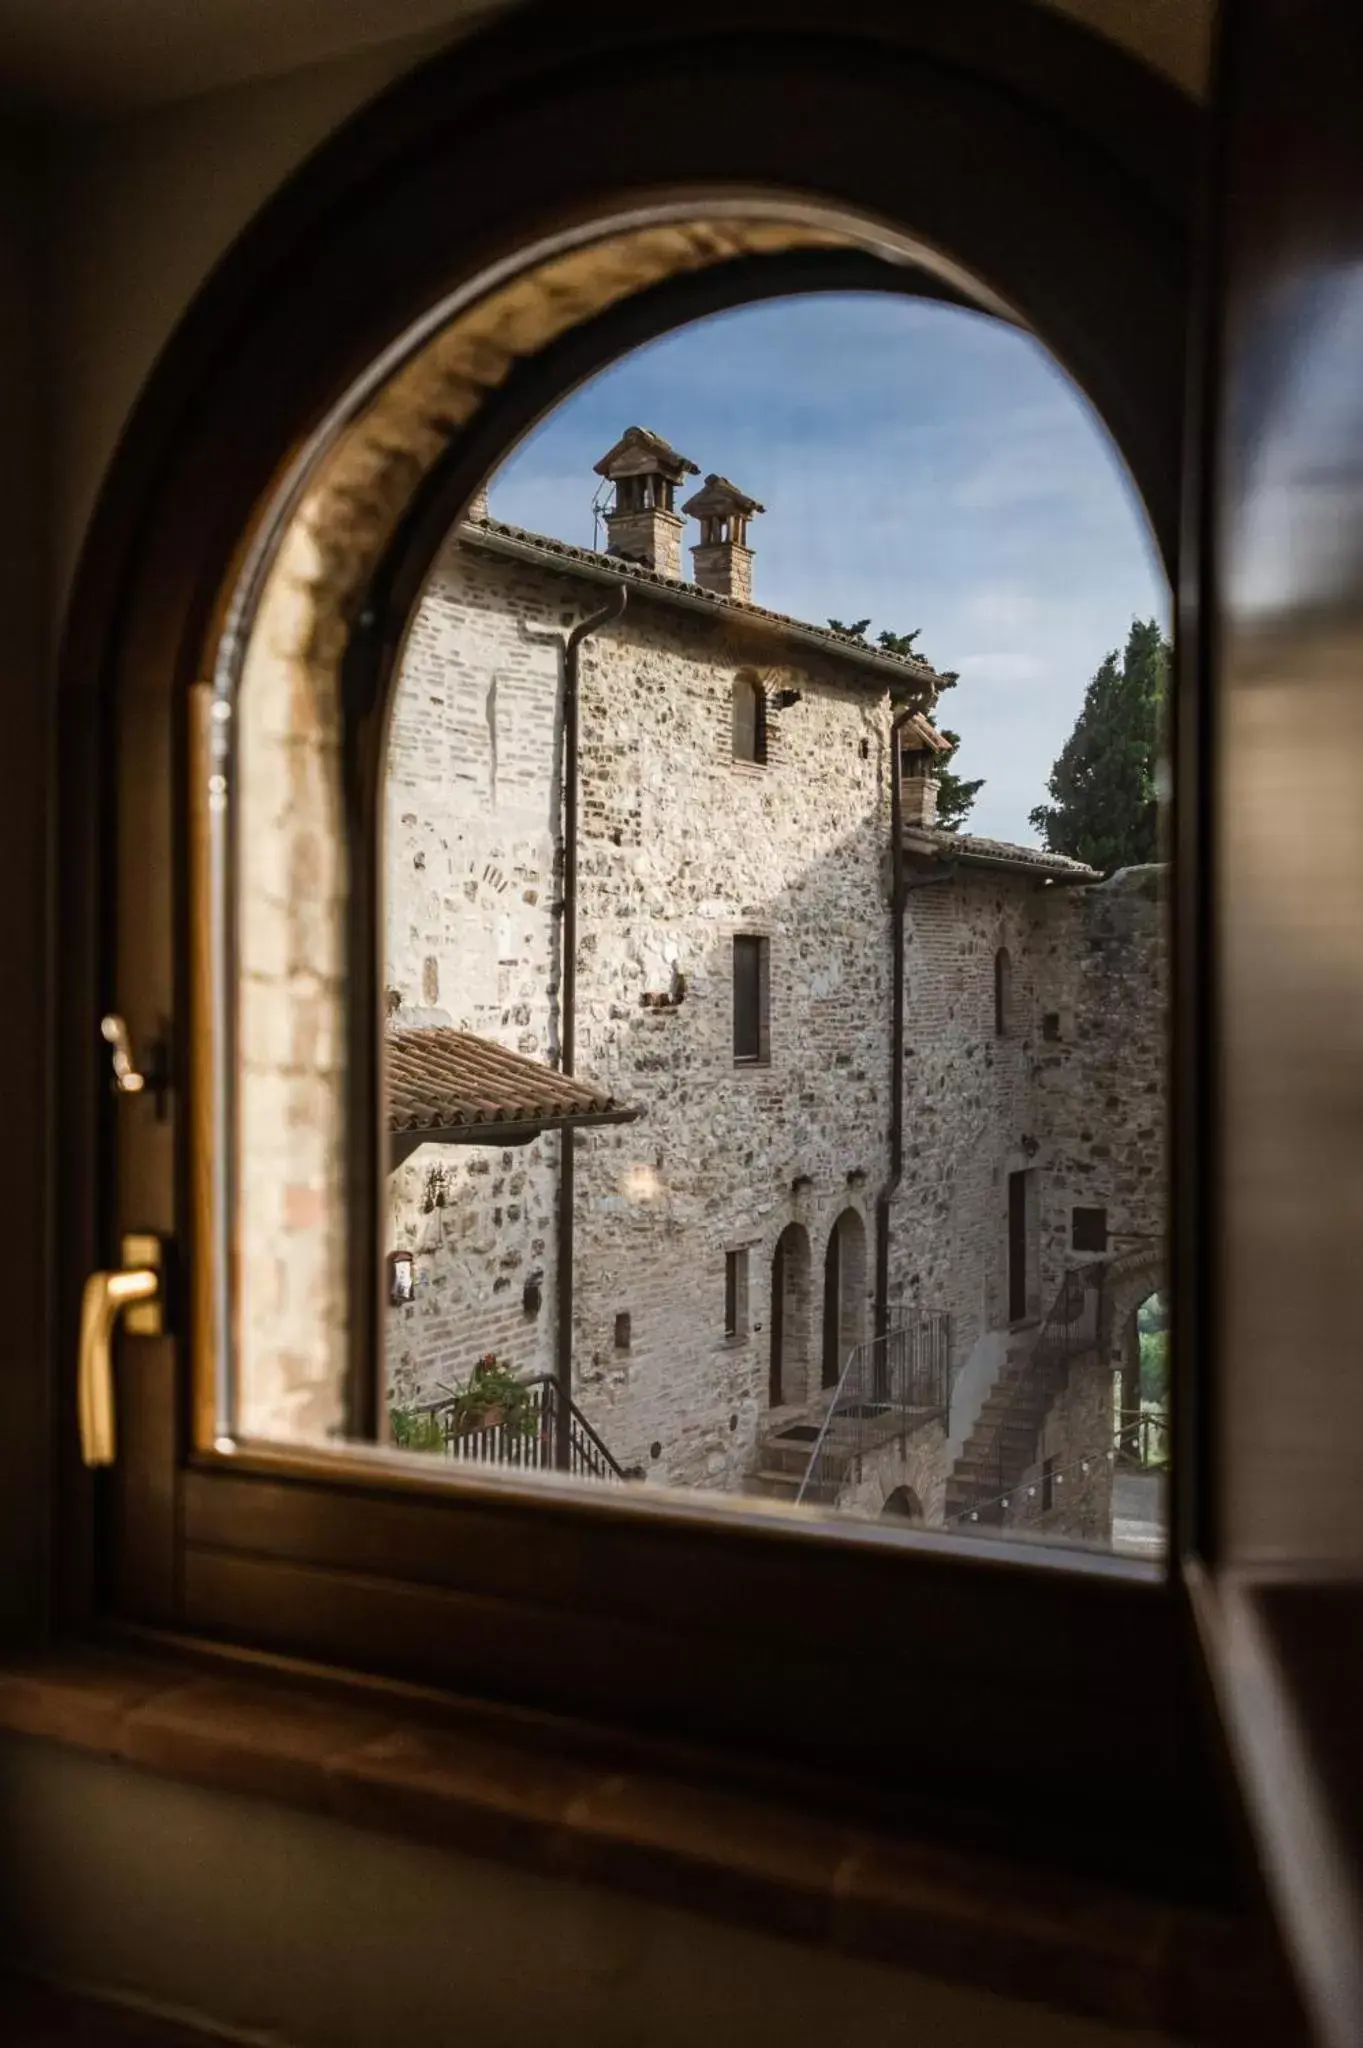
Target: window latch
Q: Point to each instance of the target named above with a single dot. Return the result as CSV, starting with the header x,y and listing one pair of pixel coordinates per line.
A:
x,y
130,1079
135,1291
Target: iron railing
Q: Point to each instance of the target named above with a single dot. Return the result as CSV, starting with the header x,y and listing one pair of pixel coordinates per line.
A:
x,y
1124,1439
888,1385
550,1433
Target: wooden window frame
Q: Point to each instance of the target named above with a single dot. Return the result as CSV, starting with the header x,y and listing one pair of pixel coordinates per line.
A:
x,y
770,1637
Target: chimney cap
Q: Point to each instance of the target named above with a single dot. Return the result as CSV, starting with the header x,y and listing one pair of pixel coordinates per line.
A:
x,y
718,498
640,452
926,738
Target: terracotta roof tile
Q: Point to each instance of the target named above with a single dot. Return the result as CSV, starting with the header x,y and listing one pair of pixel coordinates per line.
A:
x,y
498,536
440,1079
971,848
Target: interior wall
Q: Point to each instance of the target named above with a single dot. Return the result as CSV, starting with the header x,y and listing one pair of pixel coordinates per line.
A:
x,y
25,939
142,208
295,1928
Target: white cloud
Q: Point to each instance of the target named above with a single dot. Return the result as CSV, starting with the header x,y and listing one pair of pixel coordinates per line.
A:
x,y
948,477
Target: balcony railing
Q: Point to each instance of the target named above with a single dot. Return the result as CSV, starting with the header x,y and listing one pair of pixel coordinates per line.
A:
x,y
889,1385
549,1434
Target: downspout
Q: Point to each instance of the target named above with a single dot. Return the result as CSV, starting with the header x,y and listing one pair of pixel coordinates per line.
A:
x,y
563,1274
898,894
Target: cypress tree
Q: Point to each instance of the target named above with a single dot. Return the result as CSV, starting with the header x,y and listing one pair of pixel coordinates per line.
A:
x,y
1103,808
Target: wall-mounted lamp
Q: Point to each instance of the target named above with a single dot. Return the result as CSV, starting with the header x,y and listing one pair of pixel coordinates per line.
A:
x,y
1031,1146
401,1278
532,1295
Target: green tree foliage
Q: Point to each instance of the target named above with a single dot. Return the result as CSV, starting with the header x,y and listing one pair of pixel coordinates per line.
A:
x,y
955,797
1102,788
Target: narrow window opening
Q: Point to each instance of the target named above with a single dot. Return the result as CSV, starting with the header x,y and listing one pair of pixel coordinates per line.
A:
x,y
622,1331
1088,1230
1003,993
736,1293
751,979
1047,1484
750,720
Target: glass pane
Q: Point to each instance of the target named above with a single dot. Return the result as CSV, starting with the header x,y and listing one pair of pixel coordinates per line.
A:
x,y
660,1208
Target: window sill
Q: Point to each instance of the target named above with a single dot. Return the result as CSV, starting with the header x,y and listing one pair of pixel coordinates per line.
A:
x,y
573,1805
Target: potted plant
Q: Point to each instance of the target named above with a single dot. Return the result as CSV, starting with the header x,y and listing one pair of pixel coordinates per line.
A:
x,y
409,1430
494,1397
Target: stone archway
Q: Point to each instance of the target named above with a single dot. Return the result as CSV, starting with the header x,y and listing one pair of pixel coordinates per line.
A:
x,y
1128,1282
788,1381
903,1505
844,1294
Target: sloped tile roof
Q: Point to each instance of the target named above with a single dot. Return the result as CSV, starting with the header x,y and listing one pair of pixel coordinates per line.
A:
x,y
448,1081
500,538
973,850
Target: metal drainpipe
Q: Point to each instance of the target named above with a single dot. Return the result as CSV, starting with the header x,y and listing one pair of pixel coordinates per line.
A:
x,y
563,1276
898,892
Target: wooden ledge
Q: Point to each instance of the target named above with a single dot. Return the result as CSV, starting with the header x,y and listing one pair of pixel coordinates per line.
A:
x,y
471,1781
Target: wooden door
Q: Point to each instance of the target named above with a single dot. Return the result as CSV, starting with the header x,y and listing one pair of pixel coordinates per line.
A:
x,y
776,1383
832,1308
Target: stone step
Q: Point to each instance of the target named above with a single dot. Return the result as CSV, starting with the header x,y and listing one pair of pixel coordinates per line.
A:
x,y
776,1456
785,1486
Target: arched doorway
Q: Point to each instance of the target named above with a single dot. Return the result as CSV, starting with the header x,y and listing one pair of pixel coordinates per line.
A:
x,y
788,1380
844,1294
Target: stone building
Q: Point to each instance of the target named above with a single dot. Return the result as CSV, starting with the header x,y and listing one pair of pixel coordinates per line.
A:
x,y
710,941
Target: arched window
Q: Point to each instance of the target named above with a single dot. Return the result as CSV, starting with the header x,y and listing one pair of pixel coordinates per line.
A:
x,y
1003,993
750,719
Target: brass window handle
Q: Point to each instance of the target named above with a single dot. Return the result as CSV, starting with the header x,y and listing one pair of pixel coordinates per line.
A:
x,y
135,1289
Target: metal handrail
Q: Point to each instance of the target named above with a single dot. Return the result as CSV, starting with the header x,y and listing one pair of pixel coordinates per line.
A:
x,y
1079,1463
902,1372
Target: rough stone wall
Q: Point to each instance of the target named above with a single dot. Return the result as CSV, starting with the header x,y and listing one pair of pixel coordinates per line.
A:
x,y
680,849
917,1461
968,1098
1102,1079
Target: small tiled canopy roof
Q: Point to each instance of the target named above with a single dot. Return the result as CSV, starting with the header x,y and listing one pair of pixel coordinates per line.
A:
x,y
450,1085
641,452
720,496
926,733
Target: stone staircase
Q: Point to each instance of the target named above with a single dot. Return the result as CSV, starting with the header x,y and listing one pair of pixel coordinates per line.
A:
x,y
783,1455
1003,1443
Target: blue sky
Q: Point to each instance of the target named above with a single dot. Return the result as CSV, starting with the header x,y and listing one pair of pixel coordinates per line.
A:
x,y
921,464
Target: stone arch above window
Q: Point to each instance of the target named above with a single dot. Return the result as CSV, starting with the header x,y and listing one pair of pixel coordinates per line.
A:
x,y
750,718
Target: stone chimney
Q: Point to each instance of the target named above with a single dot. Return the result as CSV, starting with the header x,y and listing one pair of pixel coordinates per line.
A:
x,y
477,507
723,559
643,524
